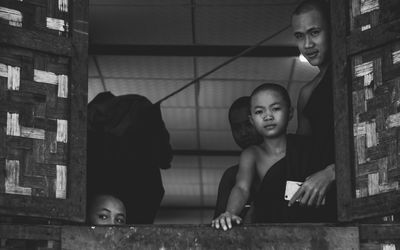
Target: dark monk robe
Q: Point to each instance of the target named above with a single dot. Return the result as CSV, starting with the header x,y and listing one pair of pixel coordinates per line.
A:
x,y
270,204
319,112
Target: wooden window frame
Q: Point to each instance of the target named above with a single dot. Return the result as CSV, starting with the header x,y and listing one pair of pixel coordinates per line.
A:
x,y
344,45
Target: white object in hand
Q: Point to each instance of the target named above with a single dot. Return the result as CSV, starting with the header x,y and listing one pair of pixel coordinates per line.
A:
x,y
291,189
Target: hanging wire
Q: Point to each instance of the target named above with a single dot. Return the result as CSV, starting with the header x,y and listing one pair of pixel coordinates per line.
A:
x,y
244,52
103,82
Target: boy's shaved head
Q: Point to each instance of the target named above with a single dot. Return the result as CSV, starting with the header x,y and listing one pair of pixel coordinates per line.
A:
x,y
271,110
274,87
308,5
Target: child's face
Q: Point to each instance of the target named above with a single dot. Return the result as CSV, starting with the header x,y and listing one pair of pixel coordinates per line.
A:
x,y
270,113
107,210
312,36
242,130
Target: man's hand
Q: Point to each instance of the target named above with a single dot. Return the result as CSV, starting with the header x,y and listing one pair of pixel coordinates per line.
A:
x,y
225,221
314,189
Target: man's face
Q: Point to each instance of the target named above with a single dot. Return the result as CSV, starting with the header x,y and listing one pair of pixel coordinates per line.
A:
x,y
312,36
243,132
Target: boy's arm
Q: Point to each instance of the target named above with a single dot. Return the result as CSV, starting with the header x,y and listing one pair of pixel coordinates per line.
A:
x,y
314,189
303,125
225,186
240,192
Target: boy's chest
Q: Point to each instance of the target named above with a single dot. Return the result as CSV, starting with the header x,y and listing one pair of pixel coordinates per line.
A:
x,y
264,164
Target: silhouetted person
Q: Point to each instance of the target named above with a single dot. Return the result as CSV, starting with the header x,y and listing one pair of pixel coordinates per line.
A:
x,y
127,145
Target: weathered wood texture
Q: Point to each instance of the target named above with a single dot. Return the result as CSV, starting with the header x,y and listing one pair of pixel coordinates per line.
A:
x,y
379,236
41,16
366,69
367,14
43,97
266,236
343,138
203,237
29,237
376,119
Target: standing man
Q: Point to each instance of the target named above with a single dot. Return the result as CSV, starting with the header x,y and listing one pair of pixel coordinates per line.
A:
x,y
310,23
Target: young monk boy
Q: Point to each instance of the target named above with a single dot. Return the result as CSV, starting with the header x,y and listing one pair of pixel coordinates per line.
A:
x,y
106,210
279,158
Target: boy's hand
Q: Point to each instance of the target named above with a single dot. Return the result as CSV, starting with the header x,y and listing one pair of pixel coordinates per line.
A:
x,y
225,221
314,189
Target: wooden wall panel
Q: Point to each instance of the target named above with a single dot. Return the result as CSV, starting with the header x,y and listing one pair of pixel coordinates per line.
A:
x,y
366,40
43,98
44,16
366,14
376,120
379,236
19,237
38,153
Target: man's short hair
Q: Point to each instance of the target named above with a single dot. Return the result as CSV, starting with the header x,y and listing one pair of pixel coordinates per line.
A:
x,y
307,5
241,102
274,87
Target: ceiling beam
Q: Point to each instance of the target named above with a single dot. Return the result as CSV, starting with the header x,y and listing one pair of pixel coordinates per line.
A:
x,y
191,50
203,152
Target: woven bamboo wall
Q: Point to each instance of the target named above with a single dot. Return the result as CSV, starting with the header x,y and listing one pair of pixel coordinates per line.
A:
x,y
49,16
376,103
33,123
367,14
34,104
43,97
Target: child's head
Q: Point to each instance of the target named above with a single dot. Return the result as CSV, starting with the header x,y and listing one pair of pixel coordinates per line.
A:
x,y
243,131
270,110
106,209
310,23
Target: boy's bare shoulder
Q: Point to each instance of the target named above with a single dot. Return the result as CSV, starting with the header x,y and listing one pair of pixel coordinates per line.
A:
x,y
248,158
